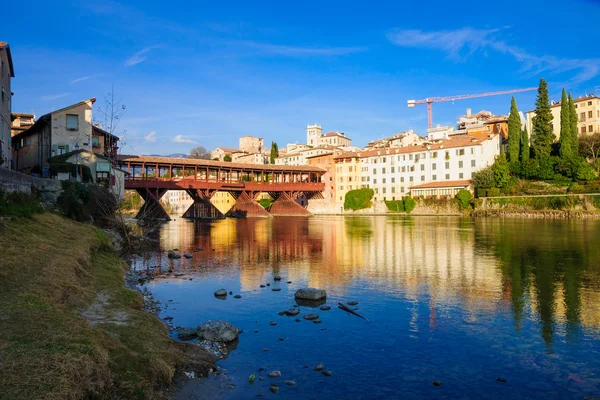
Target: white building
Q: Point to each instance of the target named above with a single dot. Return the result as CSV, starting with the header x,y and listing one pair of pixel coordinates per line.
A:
x,y
301,157
392,172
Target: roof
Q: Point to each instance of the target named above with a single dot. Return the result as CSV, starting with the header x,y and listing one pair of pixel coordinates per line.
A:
x,y
575,101
102,132
331,134
92,99
462,141
5,46
225,149
20,114
442,184
211,163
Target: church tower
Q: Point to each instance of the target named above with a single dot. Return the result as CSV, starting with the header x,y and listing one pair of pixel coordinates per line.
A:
x,y
313,133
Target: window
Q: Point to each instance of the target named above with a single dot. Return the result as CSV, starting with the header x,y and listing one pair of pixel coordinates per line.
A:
x,y
422,178
472,150
447,164
460,176
590,114
95,141
374,171
589,103
402,179
461,152
393,189
393,170
434,166
460,164
383,180
434,177
410,179
72,122
374,181
401,189
422,167
582,116
383,170
472,163
434,154
590,128
447,177
383,190
583,129
410,156
393,180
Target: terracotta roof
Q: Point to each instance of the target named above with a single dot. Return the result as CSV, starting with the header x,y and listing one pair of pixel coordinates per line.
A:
x,y
211,163
227,149
331,134
442,184
463,141
5,46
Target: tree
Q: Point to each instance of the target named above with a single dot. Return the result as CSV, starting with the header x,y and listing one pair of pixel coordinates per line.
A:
x,y
484,178
227,158
574,132
514,132
111,113
274,152
199,152
589,147
543,137
566,149
525,146
501,171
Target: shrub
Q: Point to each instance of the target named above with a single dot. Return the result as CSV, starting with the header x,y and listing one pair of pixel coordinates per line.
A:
x,y
265,203
409,204
464,199
584,171
493,192
484,178
73,199
501,171
17,204
395,205
546,168
358,199
530,168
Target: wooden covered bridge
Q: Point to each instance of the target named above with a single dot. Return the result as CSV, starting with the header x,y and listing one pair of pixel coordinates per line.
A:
x,y
152,177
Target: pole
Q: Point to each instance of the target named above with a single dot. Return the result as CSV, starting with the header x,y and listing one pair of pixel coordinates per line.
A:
x,y
430,114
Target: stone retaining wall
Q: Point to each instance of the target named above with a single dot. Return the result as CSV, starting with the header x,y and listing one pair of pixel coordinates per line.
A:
x,y
13,181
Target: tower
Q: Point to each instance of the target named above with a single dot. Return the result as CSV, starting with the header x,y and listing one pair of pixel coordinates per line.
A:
x,y
313,133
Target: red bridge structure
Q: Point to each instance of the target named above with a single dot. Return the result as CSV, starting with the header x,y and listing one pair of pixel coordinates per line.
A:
x,y
152,177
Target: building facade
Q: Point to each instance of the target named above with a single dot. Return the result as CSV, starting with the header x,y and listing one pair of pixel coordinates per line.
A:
x,y
588,116
249,158
20,122
6,74
392,172
335,139
251,144
313,133
219,153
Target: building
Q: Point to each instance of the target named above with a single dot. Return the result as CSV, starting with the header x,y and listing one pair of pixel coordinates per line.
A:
x,y
588,116
407,138
335,139
327,162
393,172
313,133
219,153
104,143
252,144
300,157
53,134
250,158
177,201
7,72
20,122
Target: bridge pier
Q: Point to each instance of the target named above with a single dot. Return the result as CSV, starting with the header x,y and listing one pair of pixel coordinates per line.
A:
x,y
202,208
151,207
247,206
285,205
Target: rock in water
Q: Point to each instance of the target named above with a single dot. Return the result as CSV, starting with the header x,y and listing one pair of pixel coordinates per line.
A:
x,y
188,255
217,331
325,308
221,293
262,286
276,289
292,312
437,383
186,334
274,388
237,296
353,303
275,374
310,294
326,373
290,383
272,323
319,367
277,278
311,317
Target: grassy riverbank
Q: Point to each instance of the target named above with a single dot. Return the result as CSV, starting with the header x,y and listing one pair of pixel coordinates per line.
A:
x,y
69,328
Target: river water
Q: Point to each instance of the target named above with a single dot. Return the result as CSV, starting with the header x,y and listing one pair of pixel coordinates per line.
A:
x,y
455,300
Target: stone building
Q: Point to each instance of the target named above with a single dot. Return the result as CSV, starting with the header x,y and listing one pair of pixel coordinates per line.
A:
x,y
6,74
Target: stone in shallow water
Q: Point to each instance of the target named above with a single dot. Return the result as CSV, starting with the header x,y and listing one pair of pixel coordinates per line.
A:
x,y
237,296
311,317
310,294
437,383
276,289
277,278
188,255
326,373
275,374
319,367
501,380
217,331
298,320
325,308
274,388
290,383
186,334
292,312
353,303
221,293
272,323
317,321
262,286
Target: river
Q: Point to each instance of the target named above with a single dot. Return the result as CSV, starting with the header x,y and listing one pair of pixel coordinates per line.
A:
x,y
455,300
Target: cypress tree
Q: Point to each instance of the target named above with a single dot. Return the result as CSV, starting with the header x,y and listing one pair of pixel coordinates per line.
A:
x,y
574,131
566,142
514,132
525,146
543,137
274,152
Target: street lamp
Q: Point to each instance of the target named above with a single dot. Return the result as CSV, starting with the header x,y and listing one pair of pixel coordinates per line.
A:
x,y
76,147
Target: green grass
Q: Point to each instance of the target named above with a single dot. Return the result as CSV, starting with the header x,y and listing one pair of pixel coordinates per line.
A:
x,y
52,270
17,204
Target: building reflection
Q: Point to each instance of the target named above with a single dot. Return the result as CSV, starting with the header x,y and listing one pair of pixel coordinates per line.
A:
x,y
541,272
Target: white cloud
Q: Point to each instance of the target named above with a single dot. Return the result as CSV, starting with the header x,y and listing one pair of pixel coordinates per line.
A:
x,y
181,139
138,57
55,96
83,78
299,51
463,42
151,137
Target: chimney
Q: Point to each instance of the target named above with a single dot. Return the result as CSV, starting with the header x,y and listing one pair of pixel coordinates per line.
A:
x,y
468,112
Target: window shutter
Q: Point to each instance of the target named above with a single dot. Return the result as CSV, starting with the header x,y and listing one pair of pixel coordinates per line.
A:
x,y
54,150
66,148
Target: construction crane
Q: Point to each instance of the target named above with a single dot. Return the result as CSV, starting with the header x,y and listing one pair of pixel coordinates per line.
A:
x,y
430,100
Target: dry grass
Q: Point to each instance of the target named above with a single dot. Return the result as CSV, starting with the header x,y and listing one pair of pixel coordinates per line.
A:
x,y
52,269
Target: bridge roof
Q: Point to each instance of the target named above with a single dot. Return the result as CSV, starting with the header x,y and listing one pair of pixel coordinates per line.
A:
x,y
216,164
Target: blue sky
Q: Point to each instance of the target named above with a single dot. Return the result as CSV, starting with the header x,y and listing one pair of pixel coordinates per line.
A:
x,y
209,72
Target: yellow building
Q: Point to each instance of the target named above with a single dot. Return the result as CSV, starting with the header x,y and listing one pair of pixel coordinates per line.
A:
x,y
223,201
588,116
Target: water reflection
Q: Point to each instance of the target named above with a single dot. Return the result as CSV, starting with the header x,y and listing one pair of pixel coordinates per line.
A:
x,y
546,272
